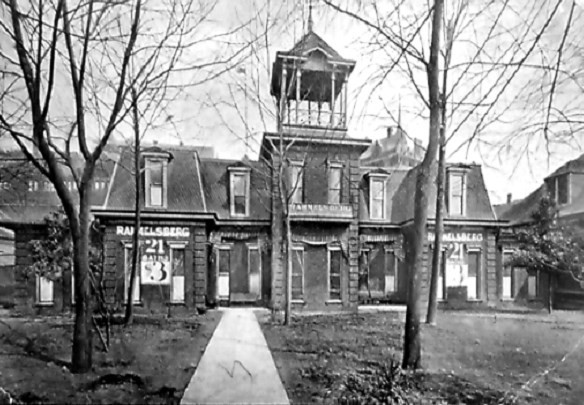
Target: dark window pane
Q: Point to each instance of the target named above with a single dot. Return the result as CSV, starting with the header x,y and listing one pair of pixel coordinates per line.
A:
x,y
224,256
335,274
563,192
178,262
254,271
364,271
297,274
155,172
239,204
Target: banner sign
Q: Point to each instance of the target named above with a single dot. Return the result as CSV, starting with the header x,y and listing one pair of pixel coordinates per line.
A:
x,y
155,262
155,231
457,237
379,238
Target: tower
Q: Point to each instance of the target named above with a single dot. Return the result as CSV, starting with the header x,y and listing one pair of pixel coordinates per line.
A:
x,y
310,83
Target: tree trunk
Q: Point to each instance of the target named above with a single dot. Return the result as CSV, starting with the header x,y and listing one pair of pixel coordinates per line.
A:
x,y
288,313
412,339
438,232
81,357
129,315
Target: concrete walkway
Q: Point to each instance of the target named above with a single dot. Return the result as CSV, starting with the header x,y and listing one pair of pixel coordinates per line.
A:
x,y
237,366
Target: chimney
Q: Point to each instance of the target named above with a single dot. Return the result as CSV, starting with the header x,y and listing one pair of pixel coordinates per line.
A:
x,y
390,132
509,198
155,142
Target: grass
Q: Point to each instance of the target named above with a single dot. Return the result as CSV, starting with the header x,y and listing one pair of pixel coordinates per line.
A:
x,y
150,361
468,358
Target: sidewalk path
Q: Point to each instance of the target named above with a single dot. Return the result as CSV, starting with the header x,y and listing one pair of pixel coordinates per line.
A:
x,y
237,366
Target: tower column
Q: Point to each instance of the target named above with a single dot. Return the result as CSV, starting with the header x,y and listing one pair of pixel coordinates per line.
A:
x,y
333,97
298,78
283,87
345,98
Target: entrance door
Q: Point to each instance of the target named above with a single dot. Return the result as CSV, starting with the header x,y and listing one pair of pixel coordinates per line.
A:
x,y
223,266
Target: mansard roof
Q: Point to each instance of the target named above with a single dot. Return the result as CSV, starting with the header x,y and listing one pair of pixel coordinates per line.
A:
x,y
311,42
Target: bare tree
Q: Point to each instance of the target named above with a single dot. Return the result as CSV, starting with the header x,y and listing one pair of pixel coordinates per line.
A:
x,y
70,88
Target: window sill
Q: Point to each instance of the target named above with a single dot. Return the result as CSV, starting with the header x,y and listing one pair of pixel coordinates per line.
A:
x,y
333,302
300,302
44,304
508,299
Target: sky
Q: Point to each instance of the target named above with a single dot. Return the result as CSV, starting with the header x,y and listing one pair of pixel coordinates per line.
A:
x,y
223,111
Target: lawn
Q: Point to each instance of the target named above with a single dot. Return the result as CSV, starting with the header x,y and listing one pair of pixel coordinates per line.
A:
x,y
150,361
468,358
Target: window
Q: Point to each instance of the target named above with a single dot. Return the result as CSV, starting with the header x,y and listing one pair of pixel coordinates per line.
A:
x,y
5,185
391,272
473,286
99,184
44,287
456,193
297,273
364,271
155,183
335,173
508,290
128,271
33,185
334,273
48,186
296,182
254,270
559,189
377,197
177,283
239,192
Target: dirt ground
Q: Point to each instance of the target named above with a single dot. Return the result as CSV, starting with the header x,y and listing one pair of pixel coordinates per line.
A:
x,y
151,361
467,358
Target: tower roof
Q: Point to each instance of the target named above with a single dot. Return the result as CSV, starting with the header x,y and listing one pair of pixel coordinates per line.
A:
x,y
311,42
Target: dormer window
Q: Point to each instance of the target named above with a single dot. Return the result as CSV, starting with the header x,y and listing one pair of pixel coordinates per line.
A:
x,y
559,188
239,191
335,172
377,195
456,192
155,182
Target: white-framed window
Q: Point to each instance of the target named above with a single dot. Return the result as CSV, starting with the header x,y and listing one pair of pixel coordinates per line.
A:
x,y
559,189
178,267
99,184
473,284
239,187
33,185
335,174
48,186
296,186
334,273
508,287
254,269
155,182
44,290
456,192
377,193
297,273
136,296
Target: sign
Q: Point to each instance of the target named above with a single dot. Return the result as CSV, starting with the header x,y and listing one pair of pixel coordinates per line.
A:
x,y
379,238
155,262
155,231
457,237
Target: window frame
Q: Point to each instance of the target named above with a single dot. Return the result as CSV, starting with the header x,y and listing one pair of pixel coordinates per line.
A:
x,y
296,180
333,167
149,161
174,246
391,252
245,174
226,247
383,180
479,275
511,296
463,192
128,260
301,249
330,250
556,188
38,288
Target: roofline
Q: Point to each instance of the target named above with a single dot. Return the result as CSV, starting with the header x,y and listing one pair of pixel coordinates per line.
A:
x,y
317,139
332,60
463,222
101,212
200,181
257,222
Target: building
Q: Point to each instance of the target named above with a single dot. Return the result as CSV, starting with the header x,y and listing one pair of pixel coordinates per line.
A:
x,y
218,232
566,187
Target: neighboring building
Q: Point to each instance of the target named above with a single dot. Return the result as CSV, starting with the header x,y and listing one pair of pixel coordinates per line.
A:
x,y
395,150
566,187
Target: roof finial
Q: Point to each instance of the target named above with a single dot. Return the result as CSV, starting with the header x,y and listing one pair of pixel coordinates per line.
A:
x,y
309,15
